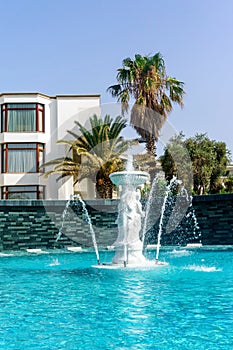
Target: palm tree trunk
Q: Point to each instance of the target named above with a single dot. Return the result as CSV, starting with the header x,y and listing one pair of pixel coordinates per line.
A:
x,y
151,150
104,186
150,145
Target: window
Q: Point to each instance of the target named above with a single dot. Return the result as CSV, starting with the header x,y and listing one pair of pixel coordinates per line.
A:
x,y
22,157
23,192
22,117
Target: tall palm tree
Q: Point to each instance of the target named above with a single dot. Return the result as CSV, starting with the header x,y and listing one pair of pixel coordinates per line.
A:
x,y
145,80
94,153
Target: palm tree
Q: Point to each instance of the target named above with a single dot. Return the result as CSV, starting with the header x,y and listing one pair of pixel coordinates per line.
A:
x,y
94,153
145,80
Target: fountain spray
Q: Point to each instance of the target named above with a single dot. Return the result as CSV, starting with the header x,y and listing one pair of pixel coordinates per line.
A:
x,y
173,182
87,219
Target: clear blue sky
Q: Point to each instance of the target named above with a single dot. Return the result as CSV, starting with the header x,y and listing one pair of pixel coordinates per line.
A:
x,y
75,47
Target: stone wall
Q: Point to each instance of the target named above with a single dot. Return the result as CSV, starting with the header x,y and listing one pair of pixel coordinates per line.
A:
x,y
210,221
35,224
215,217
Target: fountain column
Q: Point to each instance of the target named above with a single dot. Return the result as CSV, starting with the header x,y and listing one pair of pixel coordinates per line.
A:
x,y
128,245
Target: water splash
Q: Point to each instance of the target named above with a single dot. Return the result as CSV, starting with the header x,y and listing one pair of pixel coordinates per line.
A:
x,y
192,216
147,210
203,268
169,210
64,215
173,182
55,262
181,252
86,218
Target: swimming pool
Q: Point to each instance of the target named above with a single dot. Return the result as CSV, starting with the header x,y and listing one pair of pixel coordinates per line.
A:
x,y
58,301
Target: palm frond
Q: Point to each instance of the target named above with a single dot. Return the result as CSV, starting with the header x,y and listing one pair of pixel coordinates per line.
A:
x,y
145,80
93,151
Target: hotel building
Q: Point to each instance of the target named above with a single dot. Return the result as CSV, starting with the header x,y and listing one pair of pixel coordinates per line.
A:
x,y
31,124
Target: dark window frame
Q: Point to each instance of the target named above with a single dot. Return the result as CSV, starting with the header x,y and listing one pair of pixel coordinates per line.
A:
x,y
40,191
39,148
39,107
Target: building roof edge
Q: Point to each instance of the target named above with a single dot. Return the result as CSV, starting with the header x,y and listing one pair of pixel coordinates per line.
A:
x,y
46,96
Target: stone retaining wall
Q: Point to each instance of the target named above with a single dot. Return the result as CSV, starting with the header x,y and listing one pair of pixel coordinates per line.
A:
x,y
215,218
35,224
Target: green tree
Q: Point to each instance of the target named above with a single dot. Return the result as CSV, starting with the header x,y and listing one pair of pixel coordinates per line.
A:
x,y
176,162
222,157
228,184
202,154
144,79
209,160
94,153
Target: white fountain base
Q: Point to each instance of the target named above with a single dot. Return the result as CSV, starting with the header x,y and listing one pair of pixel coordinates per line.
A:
x,y
148,264
131,258
129,254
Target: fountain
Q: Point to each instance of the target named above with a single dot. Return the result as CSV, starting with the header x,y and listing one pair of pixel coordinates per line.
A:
x,y
128,245
130,242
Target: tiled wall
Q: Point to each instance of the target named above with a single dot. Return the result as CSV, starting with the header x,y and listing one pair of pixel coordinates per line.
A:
x,y
35,224
215,217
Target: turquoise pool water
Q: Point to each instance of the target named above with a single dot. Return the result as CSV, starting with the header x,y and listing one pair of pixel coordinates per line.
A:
x,y
58,301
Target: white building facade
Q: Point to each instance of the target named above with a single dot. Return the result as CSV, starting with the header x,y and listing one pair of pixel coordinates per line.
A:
x,y
31,124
